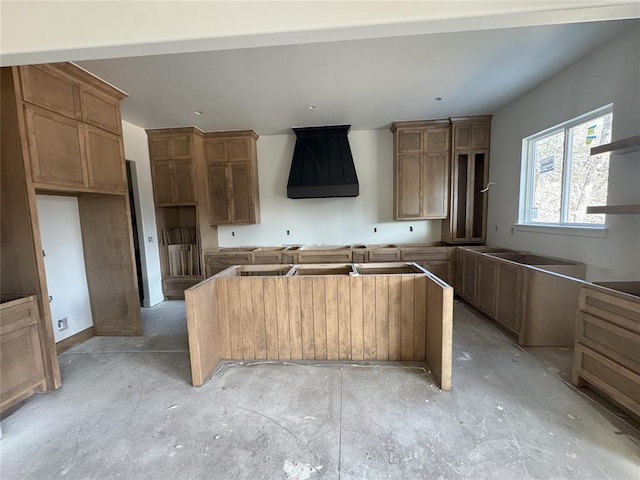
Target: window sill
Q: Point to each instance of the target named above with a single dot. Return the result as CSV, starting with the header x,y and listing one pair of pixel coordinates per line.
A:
x,y
595,232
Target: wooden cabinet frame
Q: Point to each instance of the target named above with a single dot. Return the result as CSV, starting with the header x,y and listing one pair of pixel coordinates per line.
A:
x,y
421,169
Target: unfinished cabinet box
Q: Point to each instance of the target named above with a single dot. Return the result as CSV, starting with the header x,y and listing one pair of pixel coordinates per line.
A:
x,y
232,177
469,177
421,169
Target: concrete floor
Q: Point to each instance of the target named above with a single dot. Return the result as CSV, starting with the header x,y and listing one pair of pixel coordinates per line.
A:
x,y
127,410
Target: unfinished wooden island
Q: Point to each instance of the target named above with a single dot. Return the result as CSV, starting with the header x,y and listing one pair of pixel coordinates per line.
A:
x,y
355,312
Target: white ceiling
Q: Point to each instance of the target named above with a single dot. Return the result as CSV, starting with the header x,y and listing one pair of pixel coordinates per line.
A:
x,y
365,83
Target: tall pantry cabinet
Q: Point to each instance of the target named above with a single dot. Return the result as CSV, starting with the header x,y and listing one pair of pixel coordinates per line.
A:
x,y
62,135
467,219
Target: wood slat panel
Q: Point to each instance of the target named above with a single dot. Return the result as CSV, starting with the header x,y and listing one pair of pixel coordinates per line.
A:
x,y
295,318
257,309
248,338
271,317
203,330
382,318
223,316
439,330
344,318
369,319
319,318
395,321
407,318
235,318
357,332
282,318
419,321
331,317
306,317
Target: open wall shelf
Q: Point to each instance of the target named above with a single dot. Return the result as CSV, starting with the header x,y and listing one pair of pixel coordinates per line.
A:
x,y
615,209
625,145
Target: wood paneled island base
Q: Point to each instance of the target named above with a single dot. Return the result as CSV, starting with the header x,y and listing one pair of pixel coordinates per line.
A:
x,y
342,312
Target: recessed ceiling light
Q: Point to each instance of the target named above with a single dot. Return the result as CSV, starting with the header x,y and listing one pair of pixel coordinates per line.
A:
x,y
198,112
312,107
438,99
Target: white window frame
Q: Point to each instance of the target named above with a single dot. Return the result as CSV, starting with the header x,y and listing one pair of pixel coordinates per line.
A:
x,y
527,173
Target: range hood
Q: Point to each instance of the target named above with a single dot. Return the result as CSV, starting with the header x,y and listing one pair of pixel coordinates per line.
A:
x,y
322,164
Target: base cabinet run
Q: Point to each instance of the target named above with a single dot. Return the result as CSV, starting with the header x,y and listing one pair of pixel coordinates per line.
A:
x,y
536,305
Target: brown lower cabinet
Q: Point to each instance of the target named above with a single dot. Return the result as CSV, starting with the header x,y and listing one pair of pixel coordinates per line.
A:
x,y
536,305
21,367
607,349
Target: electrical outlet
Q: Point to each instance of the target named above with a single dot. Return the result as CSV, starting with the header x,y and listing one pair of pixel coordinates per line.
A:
x,y
150,239
63,324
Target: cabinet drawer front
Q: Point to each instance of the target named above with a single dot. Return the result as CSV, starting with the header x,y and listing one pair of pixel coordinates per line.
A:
x,y
384,255
105,160
267,258
620,383
100,110
611,308
56,147
19,315
611,341
43,85
228,259
175,287
324,257
426,254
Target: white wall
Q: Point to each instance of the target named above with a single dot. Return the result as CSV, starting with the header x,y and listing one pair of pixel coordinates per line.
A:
x,y
136,149
329,220
65,270
610,74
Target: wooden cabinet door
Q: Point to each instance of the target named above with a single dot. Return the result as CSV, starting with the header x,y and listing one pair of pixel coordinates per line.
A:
x,y
215,150
437,139
56,147
241,191
219,195
469,271
440,268
238,148
45,86
105,160
435,183
487,285
183,182
100,110
510,296
162,173
410,140
408,189
172,182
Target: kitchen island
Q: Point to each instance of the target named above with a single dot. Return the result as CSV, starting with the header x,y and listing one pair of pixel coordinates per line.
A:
x,y
370,312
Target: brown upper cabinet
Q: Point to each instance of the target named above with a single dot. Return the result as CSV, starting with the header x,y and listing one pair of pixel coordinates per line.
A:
x,y
467,222
421,169
171,152
232,177
73,129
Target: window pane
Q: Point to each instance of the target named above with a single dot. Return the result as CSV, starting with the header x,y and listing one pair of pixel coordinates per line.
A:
x,y
589,174
548,153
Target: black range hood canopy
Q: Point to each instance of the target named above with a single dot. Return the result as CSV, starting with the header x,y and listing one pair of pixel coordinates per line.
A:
x,y
322,164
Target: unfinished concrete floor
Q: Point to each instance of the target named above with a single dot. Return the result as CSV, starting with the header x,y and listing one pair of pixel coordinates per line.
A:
x,y
127,410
